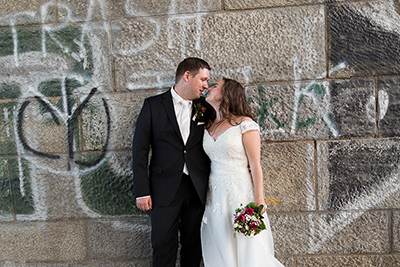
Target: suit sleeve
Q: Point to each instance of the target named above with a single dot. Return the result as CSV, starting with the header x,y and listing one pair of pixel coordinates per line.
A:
x,y
140,152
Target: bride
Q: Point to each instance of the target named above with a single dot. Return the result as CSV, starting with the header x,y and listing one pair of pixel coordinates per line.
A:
x,y
232,141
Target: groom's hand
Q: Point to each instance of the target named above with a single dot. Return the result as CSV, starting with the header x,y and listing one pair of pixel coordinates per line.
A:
x,y
144,203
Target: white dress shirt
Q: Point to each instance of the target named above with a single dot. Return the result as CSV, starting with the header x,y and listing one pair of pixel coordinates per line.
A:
x,y
178,107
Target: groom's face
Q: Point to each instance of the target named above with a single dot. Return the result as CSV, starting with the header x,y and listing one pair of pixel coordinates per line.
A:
x,y
198,83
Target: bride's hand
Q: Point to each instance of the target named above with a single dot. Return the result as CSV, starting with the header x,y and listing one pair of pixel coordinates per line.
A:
x,y
262,202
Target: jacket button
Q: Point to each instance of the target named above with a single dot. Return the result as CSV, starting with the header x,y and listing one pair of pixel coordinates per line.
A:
x,y
184,152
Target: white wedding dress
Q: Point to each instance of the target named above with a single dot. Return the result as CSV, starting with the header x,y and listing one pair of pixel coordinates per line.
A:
x,y
231,185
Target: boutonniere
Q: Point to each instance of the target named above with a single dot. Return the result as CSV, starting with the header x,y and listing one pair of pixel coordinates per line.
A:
x,y
199,111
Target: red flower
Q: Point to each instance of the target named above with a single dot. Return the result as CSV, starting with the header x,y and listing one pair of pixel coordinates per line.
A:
x,y
248,220
249,211
199,111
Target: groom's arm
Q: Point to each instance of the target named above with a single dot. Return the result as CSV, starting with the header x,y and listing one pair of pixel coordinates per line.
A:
x,y
140,155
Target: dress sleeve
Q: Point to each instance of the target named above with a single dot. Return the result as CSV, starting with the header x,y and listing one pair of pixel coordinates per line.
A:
x,y
246,126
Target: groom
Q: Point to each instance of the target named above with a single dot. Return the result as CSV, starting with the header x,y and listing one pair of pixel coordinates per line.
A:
x,y
174,185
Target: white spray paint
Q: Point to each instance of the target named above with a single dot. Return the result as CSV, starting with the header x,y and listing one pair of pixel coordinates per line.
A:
x,y
29,69
304,91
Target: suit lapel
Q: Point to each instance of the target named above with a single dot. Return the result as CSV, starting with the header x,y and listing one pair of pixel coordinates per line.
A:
x,y
193,124
169,109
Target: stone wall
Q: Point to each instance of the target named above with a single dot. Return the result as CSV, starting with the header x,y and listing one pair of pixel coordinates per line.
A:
x,y
322,76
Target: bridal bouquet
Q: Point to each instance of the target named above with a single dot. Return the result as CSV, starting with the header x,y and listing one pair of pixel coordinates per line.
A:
x,y
248,220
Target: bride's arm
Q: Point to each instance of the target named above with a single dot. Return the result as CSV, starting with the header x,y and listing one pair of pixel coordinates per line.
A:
x,y
252,145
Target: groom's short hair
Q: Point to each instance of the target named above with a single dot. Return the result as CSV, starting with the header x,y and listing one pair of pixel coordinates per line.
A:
x,y
191,64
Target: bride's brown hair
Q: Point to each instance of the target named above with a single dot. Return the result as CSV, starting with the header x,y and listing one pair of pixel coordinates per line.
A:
x,y
233,102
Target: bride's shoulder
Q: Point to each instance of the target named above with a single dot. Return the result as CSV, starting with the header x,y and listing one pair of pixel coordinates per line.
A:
x,y
248,124
244,119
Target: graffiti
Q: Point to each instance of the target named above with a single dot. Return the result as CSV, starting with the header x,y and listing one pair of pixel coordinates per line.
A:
x,y
70,125
313,90
50,32
164,79
374,27
180,32
140,80
134,9
59,64
262,109
363,175
353,186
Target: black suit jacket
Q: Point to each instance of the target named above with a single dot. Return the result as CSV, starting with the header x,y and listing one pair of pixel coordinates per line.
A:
x,y
157,132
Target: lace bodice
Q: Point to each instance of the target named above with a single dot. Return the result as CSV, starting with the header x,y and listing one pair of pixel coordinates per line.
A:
x,y
230,174
227,152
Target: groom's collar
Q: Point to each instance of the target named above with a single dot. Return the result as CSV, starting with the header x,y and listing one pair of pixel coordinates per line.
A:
x,y
176,98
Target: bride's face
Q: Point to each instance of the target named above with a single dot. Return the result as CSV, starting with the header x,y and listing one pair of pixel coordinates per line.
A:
x,y
215,92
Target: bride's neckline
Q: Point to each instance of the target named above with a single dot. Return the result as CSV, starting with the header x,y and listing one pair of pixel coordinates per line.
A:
x,y
225,129
221,134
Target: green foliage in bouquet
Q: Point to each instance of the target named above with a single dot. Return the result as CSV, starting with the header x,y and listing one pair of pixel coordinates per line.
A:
x,y
248,220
